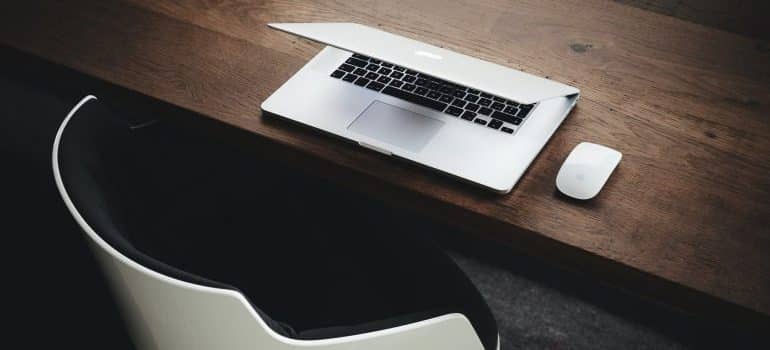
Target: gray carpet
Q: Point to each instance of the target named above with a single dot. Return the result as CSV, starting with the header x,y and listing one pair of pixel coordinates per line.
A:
x,y
532,315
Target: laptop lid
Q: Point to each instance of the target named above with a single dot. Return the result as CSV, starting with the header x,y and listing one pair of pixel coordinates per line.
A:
x,y
441,63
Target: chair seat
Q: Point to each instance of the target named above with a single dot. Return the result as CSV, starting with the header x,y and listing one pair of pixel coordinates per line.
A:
x,y
314,260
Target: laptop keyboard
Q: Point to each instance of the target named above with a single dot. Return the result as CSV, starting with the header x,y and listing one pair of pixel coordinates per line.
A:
x,y
456,100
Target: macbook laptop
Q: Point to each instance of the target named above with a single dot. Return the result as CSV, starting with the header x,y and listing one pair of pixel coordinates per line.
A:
x,y
462,116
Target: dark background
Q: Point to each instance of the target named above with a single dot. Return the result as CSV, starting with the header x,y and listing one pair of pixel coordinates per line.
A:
x,y
57,296
745,17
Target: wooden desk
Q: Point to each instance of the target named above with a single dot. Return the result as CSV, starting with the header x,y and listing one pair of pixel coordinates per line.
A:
x,y
685,218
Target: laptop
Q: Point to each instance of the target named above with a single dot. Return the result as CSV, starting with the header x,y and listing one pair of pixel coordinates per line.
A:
x,y
462,116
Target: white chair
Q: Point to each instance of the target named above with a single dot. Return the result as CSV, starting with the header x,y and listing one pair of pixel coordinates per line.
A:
x,y
170,308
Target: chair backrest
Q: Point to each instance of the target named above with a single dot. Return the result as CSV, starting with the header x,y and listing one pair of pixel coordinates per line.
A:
x,y
167,308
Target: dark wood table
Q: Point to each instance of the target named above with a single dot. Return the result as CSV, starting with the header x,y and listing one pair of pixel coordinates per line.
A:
x,y
686,217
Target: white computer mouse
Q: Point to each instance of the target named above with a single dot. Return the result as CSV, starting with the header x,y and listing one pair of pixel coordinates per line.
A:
x,y
586,170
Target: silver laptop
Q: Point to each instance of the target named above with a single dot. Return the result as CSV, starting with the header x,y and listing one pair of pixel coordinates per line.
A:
x,y
472,119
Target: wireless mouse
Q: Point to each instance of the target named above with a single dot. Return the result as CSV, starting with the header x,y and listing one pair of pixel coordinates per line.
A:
x,y
586,170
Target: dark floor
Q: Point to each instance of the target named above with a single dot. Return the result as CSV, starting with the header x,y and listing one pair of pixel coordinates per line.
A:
x,y
538,306
533,315
59,295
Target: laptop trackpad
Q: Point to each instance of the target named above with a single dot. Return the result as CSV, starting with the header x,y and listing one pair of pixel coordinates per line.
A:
x,y
396,126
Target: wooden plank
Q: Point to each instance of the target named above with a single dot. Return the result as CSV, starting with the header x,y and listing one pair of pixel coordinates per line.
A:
x,y
686,216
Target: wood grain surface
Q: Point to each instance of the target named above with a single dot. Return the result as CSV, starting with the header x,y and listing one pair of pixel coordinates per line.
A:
x,y
686,217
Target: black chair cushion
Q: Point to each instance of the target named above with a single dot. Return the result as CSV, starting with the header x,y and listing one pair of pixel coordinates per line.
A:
x,y
315,261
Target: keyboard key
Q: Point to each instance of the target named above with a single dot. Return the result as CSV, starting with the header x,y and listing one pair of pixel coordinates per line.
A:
x,y
499,99
383,79
524,110
495,105
485,111
362,81
447,90
434,94
338,74
468,115
408,87
422,101
471,98
458,102
350,78
347,68
421,91
433,85
387,65
472,107
411,72
516,121
495,124
375,86
373,67
459,94
480,121
486,95
396,83
507,129
511,110
375,61
372,76
356,62
397,75
409,79
421,82
446,98
399,69
361,57
384,71
454,111
511,103
504,117
360,71
485,102
473,91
